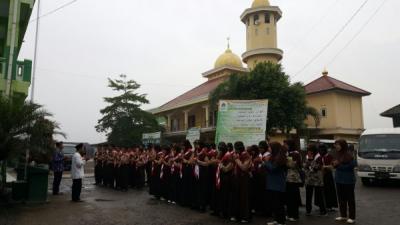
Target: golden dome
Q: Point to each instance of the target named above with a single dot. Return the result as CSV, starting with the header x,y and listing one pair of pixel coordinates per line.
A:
x,y
260,3
228,59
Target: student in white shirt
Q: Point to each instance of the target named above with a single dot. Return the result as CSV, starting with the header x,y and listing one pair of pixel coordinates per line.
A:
x,y
77,172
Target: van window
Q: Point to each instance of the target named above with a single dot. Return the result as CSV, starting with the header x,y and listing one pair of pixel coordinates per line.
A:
x,y
380,143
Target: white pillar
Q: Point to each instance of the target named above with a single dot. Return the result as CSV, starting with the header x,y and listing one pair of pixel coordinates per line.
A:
x,y
169,125
186,119
207,111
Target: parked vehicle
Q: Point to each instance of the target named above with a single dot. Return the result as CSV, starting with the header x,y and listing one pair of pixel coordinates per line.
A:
x,y
68,150
379,155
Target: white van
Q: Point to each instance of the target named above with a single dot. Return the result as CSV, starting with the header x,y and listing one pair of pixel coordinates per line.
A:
x,y
379,155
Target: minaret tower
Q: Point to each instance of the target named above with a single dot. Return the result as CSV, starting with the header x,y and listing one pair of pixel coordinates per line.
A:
x,y
261,21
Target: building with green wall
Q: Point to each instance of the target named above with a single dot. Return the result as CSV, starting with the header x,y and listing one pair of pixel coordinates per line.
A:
x,y
19,11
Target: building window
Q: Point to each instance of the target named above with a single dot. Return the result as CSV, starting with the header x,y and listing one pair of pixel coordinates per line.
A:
x,y
175,125
248,21
213,119
256,20
256,31
267,18
267,31
20,71
191,121
323,112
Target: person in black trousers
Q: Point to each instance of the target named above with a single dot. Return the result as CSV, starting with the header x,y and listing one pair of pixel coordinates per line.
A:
x,y
345,182
293,181
314,181
58,167
77,172
276,181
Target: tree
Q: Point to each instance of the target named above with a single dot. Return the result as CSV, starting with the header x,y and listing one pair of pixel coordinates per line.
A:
x,y
123,120
287,102
25,125
310,111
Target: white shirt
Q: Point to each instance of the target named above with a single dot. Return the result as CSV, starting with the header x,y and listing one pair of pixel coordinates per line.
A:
x,y
77,166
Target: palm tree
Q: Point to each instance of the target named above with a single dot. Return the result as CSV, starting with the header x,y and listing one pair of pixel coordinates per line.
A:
x,y
24,125
311,111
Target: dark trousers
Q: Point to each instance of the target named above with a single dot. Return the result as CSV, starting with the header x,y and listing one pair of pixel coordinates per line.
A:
x,y
56,182
319,198
277,204
292,200
76,189
346,198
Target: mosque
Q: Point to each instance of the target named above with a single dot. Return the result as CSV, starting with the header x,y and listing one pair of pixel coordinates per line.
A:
x,y
339,103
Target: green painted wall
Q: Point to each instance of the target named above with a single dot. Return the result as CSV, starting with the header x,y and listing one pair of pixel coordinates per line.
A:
x,y
21,70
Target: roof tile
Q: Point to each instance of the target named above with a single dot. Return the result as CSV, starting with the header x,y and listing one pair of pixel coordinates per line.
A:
x,y
201,90
327,83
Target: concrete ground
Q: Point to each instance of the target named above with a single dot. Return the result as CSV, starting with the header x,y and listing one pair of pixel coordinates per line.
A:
x,y
379,204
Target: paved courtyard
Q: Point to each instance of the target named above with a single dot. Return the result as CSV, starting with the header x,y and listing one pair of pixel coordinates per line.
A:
x,y
379,204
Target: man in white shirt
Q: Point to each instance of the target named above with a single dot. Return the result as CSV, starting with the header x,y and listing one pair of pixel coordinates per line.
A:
x,y
77,172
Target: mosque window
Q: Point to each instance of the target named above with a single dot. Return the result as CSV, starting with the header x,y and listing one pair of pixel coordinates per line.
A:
x,y
256,31
267,30
323,112
267,18
256,20
248,21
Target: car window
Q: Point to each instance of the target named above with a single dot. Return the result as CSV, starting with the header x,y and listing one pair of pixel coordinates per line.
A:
x,y
69,150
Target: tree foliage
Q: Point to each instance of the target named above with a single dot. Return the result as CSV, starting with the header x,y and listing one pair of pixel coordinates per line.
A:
x,y
287,101
25,125
123,120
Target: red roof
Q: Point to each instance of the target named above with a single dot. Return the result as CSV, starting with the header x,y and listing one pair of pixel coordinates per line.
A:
x,y
202,90
327,83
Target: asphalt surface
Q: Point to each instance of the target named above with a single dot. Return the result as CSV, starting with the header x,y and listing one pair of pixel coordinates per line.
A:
x,y
379,204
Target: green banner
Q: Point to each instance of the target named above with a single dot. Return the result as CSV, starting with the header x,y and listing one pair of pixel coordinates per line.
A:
x,y
242,120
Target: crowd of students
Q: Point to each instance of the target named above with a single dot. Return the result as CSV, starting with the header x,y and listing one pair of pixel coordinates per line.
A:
x,y
235,182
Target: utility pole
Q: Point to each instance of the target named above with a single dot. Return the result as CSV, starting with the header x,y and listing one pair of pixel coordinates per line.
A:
x,y
36,52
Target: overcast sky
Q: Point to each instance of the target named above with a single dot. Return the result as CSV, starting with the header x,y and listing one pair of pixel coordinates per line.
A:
x,y
165,45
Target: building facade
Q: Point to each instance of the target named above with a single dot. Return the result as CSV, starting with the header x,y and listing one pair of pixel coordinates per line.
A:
x,y
340,103
15,76
393,113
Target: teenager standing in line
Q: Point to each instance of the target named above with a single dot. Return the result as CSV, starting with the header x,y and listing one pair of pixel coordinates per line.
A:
x,y
276,182
345,182
294,181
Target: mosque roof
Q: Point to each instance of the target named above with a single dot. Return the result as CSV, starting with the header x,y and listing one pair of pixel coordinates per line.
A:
x,y
195,95
392,111
228,58
327,83
260,3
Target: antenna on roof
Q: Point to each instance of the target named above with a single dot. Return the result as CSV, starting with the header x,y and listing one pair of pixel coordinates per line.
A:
x,y
228,40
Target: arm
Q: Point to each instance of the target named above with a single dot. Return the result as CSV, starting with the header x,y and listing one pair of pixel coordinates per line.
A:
x,y
346,167
243,166
203,163
58,157
271,167
227,168
79,161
